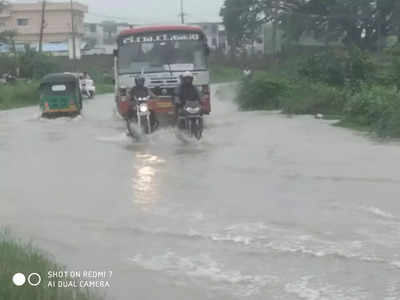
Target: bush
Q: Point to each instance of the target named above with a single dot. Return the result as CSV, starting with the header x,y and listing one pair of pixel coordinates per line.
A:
x,y
327,67
375,107
351,67
293,97
313,98
7,63
261,92
35,65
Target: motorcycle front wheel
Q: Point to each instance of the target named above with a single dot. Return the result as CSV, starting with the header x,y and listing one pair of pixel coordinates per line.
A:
x,y
198,129
131,131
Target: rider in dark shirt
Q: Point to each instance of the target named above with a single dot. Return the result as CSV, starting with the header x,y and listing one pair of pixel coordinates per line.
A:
x,y
139,90
187,91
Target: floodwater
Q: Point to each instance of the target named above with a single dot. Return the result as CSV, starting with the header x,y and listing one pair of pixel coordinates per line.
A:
x,y
264,207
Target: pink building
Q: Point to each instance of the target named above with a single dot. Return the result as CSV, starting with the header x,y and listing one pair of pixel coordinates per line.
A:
x,y
25,19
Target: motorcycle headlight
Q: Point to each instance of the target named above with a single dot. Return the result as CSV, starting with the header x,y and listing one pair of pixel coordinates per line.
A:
x,y
193,110
143,107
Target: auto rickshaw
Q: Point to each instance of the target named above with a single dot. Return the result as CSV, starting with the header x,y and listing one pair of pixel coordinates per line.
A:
x,y
60,95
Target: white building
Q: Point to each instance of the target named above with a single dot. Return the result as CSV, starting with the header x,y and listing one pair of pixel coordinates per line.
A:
x,y
100,39
216,35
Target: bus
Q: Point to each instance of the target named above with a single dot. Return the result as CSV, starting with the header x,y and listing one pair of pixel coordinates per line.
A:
x,y
161,54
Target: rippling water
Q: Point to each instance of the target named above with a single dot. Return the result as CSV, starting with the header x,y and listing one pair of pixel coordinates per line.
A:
x,y
264,207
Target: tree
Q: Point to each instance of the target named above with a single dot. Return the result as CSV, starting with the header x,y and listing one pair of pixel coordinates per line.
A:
x,y
240,22
8,37
365,24
244,18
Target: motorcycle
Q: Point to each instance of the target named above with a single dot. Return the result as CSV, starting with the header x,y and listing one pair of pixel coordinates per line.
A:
x,y
87,88
191,119
143,116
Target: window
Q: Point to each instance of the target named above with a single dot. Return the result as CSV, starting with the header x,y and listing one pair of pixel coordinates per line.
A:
x,y
59,88
22,22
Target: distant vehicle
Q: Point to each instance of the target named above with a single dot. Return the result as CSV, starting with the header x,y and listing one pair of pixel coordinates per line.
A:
x,y
60,95
161,54
8,78
87,87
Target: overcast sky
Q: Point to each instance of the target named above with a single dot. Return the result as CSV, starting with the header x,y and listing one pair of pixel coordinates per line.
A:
x,y
150,11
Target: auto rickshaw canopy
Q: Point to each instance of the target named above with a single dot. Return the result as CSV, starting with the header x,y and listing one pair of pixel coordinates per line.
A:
x,y
59,78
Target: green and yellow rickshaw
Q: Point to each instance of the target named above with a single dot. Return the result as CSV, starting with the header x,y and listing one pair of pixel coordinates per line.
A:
x,y
60,95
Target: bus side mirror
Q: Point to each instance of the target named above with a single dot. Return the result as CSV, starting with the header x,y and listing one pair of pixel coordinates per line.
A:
x,y
115,52
113,81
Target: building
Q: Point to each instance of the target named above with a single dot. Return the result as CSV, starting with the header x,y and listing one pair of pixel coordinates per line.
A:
x,y
216,35
25,19
101,38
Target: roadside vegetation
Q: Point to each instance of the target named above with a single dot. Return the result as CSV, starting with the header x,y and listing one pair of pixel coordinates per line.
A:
x,y
220,73
351,86
19,95
32,66
18,257
321,62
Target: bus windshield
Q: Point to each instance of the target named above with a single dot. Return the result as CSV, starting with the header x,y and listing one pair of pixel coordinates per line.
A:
x,y
161,56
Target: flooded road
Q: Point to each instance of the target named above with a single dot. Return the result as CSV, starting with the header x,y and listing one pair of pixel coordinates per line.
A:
x,y
264,207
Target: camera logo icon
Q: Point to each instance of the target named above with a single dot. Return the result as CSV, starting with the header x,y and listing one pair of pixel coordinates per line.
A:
x,y
33,279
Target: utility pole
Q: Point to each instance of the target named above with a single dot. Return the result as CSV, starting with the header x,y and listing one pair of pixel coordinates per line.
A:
x,y
42,26
182,14
274,25
73,36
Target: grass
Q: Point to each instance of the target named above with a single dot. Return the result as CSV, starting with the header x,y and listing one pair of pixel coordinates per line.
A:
x,y
18,257
26,94
104,89
19,95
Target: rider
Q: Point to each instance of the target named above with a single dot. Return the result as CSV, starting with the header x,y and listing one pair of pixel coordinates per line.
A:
x,y
186,92
140,90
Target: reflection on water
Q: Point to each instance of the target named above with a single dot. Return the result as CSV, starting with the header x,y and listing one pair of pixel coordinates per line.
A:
x,y
143,182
